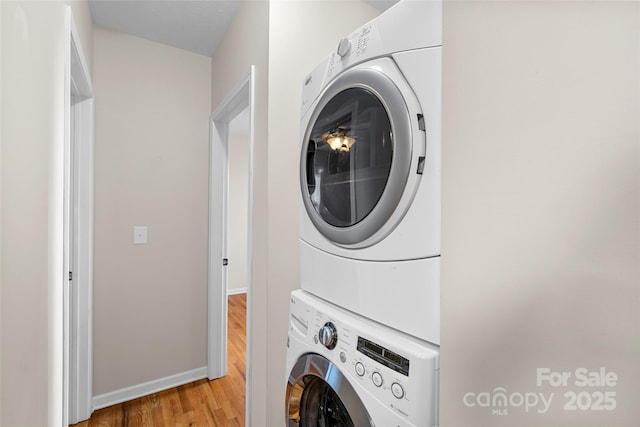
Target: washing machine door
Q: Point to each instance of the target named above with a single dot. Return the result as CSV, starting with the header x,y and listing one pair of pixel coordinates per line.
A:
x,y
356,156
318,395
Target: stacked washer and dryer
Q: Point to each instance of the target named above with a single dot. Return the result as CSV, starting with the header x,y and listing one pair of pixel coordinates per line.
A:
x,y
364,330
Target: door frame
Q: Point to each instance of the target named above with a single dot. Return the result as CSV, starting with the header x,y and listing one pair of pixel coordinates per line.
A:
x,y
79,119
241,97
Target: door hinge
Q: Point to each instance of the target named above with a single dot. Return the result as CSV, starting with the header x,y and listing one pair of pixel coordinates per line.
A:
x,y
225,261
70,276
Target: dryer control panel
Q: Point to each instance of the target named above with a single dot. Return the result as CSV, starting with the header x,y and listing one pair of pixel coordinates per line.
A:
x,y
400,371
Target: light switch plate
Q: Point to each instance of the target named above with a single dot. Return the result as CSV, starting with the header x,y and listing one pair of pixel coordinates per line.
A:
x,y
139,234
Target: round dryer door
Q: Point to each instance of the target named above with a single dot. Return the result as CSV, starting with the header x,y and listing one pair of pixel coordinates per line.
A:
x,y
356,156
318,395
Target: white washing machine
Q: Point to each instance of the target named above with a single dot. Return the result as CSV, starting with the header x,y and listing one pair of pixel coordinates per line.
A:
x,y
344,370
370,171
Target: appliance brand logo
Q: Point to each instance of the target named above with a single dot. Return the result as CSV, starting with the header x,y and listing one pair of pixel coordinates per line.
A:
x,y
578,390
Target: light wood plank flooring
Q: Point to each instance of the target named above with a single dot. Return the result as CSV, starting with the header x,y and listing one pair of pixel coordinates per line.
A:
x,y
218,403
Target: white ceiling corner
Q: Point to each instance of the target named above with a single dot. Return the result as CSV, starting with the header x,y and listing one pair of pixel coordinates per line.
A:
x,y
194,25
381,5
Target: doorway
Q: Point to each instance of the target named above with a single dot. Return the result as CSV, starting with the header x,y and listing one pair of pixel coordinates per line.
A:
x,y
78,233
240,99
238,204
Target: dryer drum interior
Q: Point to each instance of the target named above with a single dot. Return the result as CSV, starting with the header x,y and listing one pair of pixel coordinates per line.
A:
x,y
318,395
356,156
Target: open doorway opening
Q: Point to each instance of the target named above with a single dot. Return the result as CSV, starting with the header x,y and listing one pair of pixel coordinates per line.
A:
x,y
238,204
237,247
78,233
230,231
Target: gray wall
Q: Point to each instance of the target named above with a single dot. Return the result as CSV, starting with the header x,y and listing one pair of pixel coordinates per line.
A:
x,y
246,44
152,144
275,37
541,207
32,85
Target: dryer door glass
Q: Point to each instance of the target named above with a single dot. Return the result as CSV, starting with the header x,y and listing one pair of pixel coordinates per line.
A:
x,y
349,156
356,156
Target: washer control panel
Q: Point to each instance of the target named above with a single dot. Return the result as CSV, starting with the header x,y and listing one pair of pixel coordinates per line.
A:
x,y
398,370
384,356
377,374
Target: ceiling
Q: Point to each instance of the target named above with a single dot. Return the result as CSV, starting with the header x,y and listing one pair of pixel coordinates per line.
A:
x,y
194,25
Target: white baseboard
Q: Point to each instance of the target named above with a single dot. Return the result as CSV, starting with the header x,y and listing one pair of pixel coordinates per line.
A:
x,y
144,389
236,291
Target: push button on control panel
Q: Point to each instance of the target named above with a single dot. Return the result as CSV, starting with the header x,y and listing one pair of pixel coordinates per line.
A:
x,y
397,390
360,369
377,379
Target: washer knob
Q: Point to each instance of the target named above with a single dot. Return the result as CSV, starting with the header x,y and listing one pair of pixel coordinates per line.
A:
x,y
328,335
344,47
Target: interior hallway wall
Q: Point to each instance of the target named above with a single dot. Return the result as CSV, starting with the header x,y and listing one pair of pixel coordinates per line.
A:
x,y
284,51
541,210
298,42
152,145
1,102
33,48
246,44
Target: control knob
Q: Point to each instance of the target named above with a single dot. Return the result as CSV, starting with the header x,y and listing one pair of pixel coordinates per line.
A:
x,y
328,335
344,47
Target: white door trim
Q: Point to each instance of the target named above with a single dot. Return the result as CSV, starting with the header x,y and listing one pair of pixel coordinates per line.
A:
x,y
78,327
241,97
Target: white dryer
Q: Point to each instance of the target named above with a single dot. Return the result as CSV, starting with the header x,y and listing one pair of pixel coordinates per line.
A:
x,y
370,171
344,370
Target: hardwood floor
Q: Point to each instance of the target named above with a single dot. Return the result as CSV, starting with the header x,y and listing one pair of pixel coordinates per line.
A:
x,y
218,403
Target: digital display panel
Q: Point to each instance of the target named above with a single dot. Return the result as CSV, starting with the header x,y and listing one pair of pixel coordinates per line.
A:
x,y
384,356
393,357
373,347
